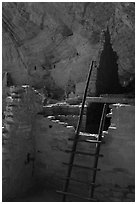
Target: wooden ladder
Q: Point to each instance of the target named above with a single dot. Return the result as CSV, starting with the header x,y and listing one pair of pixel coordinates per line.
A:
x,y
74,151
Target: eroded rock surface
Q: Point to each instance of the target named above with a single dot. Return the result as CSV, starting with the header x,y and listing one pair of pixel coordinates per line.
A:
x,y
54,42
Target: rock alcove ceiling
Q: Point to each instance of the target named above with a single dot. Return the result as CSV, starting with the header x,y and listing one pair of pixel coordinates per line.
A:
x,y
51,44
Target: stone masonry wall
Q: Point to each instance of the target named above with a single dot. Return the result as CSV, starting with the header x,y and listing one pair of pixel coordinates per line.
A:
x,y
63,112
115,181
18,143
52,139
117,177
34,149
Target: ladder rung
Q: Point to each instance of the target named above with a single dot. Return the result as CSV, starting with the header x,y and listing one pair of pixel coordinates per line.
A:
x,y
81,166
88,134
83,140
78,181
75,195
84,153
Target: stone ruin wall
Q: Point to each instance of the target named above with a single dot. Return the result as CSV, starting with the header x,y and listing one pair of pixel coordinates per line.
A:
x,y
115,181
18,147
117,175
71,33
45,138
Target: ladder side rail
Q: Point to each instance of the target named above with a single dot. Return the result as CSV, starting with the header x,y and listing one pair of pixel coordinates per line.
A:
x,y
77,134
101,127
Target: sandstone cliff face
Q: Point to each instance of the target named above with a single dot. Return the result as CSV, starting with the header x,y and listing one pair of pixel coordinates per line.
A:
x,y
54,42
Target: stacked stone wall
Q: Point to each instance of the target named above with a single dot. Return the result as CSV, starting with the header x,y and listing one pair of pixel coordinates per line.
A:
x,y
34,149
115,181
117,177
18,153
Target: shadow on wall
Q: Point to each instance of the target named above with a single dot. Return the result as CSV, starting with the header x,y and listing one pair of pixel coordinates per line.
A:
x,y
107,83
